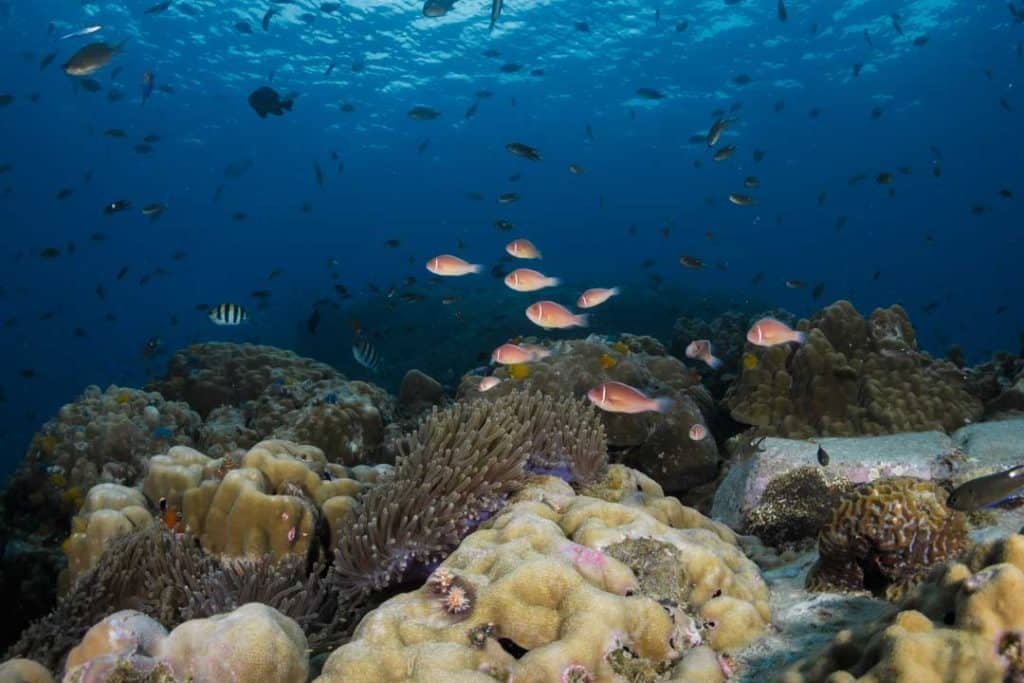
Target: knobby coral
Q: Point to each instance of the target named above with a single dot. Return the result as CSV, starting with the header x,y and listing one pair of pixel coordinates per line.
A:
x,y
884,535
854,376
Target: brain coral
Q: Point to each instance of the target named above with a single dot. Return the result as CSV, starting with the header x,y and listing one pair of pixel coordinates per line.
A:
x,y
657,444
101,437
561,587
884,535
965,623
252,643
852,377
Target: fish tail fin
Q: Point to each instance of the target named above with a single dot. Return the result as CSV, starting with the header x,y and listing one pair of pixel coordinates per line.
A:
x,y
287,104
662,404
800,337
714,362
476,268
553,282
582,320
120,46
615,291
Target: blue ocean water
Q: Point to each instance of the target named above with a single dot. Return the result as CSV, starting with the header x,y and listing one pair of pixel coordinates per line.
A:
x,y
941,115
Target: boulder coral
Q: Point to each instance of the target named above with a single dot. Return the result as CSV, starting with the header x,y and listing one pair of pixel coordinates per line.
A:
x,y
24,671
252,643
964,623
853,377
249,392
885,535
795,506
268,502
657,444
561,586
110,510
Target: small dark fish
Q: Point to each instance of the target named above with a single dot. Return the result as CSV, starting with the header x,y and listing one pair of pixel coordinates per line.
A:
x,y
781,11
524,151
265,23
91,58
239,216
1005,104
508,198
80,333
724,153
510,68
984,491
318,174
867,38
1006,193
266,101
121,273
116,206
582,27
329,7
715,131
101,292
421,113
153,211
742,79
496,6
87,84
151,138
330,68
741,199
422,147
896,23
650,94
148,83
822,457
158,8
503,225
822,196
98,237
818,290
691,262
921,41
313,322
49,253
814,113
47,60
779,106
243,27
28,373
143,148
682,26
470,111
884,178
64,193
856,69
795,284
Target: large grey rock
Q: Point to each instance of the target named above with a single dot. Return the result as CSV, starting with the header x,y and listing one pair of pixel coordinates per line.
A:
x,y
989,447
860,459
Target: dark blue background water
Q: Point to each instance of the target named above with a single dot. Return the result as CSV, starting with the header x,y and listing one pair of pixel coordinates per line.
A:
x,y
639,171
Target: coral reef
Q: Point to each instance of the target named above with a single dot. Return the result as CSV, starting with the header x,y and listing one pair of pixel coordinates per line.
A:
x,y
963,624
796,505
884,535
171,579
252,643
852,377
657,444
999,384
104,436
566,587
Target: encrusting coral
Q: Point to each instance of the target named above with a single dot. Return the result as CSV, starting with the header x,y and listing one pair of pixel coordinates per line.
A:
x,y
964,623
24,671
885,535
560,586
251,643
795,506
853,377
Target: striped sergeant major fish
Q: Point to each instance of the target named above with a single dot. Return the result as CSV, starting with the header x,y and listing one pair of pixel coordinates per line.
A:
x,y
365,354
228,314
